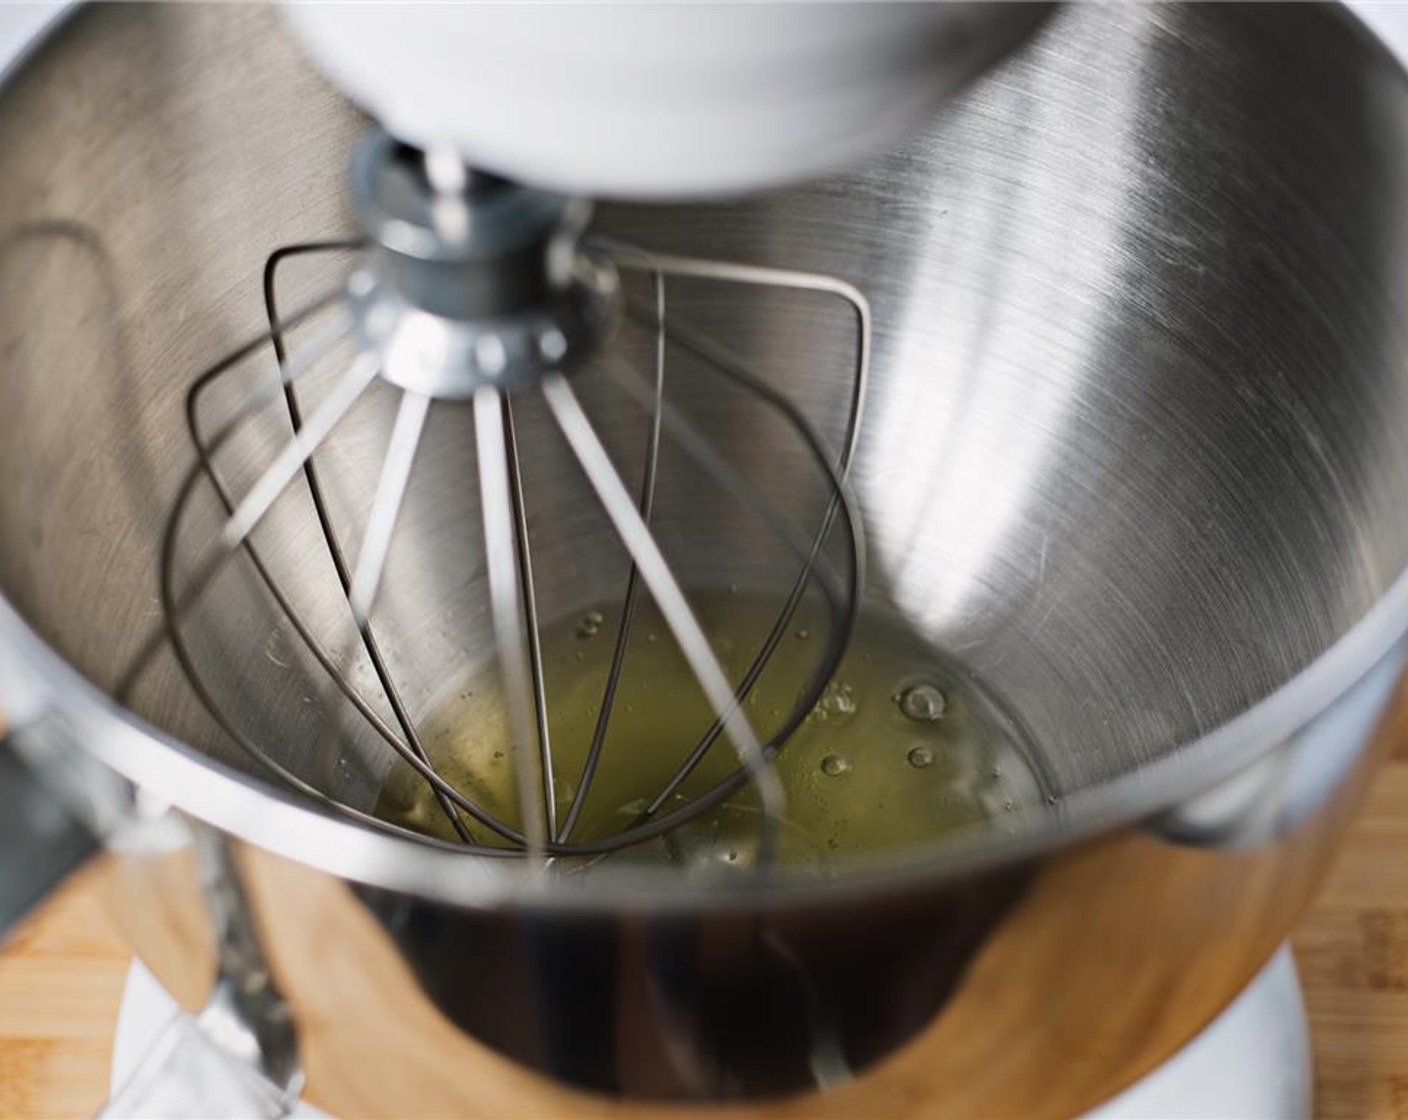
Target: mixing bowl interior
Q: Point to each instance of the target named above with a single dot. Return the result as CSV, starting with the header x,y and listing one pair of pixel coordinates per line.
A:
x,y
1133,449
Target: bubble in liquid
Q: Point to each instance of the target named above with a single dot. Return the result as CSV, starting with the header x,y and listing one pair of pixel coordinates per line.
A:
x,y
838,701
833,765
923,703
590,624
920,757
803,634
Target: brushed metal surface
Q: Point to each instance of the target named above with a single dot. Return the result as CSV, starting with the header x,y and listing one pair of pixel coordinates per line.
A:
x,y
1135,451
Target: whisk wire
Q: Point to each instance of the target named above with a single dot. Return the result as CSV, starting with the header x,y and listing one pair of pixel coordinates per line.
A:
x,y
315,647
386,505
669,598
385,509
175,607
289,461
252,508
277,336
696,446
840,504
530,617
633,258
628,606
630,257
506,611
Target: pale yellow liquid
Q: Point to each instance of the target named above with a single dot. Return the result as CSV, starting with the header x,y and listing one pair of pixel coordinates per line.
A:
x,y
901,750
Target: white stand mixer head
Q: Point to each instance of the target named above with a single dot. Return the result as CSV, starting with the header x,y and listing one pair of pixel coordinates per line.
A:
x,y
655,100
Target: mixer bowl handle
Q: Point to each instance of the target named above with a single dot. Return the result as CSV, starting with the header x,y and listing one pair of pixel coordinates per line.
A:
x,y
236,1057
57,804
41,842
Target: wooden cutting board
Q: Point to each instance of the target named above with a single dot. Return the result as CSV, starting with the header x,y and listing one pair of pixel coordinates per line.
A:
x,y
61,978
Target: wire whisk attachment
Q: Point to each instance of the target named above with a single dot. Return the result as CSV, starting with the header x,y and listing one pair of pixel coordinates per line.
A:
x,y
491,424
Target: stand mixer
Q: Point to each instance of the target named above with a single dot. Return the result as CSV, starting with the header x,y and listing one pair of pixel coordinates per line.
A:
x,y
480,434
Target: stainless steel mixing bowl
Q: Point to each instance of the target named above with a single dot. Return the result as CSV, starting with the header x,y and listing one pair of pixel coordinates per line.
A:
x,y
1135,451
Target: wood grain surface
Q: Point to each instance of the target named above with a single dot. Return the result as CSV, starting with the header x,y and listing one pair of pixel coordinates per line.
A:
x,y
61,978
